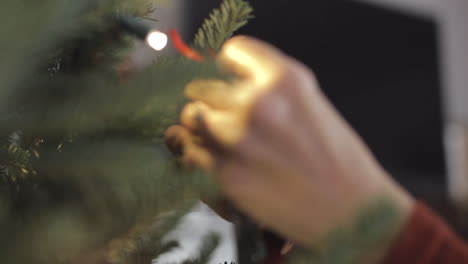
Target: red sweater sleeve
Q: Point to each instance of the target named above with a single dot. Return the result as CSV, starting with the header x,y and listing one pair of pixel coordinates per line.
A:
x,y
427,239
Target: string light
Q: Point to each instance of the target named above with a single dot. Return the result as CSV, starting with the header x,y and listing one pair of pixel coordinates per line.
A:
x,y
155,39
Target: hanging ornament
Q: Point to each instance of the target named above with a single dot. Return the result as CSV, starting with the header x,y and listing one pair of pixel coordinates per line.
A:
x,y
183,48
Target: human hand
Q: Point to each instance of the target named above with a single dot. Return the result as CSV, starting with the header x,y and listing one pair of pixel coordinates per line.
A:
x,y
282,153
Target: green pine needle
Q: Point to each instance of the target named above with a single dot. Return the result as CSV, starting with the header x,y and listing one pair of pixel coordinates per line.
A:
x,y
222,23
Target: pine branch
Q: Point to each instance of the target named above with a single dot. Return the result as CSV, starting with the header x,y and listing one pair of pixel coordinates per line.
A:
x,y
222,23
15,168
100,175
16,165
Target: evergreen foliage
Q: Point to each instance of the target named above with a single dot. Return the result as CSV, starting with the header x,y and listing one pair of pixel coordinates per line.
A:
x,y
222,23
84,174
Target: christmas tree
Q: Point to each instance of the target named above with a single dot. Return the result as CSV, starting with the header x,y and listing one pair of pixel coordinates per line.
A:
x,y
84,173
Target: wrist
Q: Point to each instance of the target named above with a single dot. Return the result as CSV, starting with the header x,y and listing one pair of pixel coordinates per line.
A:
x,y
385,203
369,234
384,211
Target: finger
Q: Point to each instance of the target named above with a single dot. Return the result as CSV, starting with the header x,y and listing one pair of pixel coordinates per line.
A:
x,y
217,94
181,141
226,127
258,61
197,156
260,64
176,137
190,114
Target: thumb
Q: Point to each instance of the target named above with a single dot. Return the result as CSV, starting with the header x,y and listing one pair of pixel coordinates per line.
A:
x,y
255,60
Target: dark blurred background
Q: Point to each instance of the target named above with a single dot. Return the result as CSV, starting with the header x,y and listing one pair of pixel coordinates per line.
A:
x,y
379,68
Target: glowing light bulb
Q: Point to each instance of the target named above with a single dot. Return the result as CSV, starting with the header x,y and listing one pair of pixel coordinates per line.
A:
x,y
157,40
